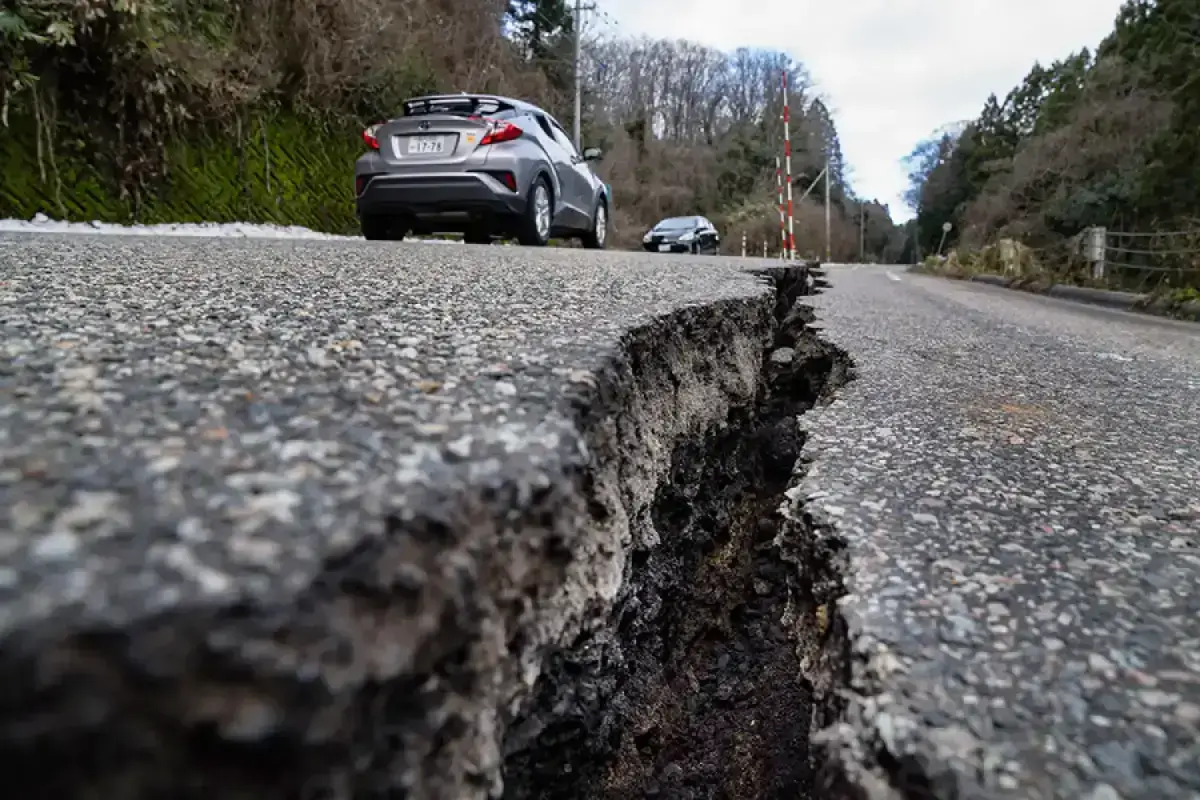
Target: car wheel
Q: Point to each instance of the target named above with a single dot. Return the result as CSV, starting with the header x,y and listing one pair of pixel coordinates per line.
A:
x,y
693,249
597,237
535,225
382,229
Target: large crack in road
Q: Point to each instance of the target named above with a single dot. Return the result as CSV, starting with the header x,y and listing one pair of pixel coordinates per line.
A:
x,y
723,652
528,532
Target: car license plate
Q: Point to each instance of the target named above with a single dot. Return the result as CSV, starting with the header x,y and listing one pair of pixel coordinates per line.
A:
x,y
425,145
664,248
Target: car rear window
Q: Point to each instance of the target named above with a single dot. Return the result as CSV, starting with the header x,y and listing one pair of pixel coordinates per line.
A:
x,y
676,223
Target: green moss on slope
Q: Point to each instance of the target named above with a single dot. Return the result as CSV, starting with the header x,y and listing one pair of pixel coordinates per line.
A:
x,y
284,168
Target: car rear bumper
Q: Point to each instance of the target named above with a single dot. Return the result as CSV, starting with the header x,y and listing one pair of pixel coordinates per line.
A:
x,y
673,247
437,195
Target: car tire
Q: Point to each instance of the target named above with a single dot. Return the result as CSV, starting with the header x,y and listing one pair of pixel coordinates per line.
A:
x,y
694,250
534,229
381,229
597,237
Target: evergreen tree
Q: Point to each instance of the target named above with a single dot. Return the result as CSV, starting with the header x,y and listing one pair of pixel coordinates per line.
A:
x,y
827,148
539,26
1066,80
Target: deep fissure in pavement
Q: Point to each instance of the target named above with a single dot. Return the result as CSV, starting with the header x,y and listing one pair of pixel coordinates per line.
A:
x,y
722,653
631,614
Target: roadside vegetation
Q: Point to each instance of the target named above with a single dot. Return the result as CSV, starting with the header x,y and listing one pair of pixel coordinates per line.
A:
x,y
203,110
1106,138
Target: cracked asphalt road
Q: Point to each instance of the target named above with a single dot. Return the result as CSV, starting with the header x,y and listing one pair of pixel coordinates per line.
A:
x,y
1019,481
1017,477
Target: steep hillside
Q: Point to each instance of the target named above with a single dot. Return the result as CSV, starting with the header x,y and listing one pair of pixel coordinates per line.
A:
x,y
189,110
1107,138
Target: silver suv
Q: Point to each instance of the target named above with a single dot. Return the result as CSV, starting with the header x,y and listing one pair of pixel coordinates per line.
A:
x,y
480,165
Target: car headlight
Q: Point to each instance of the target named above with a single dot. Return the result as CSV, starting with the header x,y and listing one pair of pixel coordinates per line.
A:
x,y
687,237
648,236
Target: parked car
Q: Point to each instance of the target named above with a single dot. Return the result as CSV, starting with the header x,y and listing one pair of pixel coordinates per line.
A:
x,y
480,165
683,235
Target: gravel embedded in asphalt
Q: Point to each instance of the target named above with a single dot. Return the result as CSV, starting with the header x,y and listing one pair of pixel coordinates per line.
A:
x,y
198,420
193,422
1019,482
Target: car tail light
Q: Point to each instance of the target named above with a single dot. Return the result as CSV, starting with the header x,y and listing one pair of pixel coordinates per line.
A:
x,y
369,137
360,183
500,132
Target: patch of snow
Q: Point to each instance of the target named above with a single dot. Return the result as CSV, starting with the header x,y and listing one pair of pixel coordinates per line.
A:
x,y
237,230
220,230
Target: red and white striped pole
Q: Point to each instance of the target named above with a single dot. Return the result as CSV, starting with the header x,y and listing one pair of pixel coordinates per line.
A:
x,y
787,157
783,238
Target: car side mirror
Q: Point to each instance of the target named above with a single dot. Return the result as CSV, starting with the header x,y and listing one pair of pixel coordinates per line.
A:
x,y
592,153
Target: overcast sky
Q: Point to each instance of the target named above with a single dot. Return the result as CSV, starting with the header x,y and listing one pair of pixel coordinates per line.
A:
x,y
893,70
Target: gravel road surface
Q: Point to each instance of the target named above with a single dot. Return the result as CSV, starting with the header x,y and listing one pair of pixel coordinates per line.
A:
x,y
218,427
1019,480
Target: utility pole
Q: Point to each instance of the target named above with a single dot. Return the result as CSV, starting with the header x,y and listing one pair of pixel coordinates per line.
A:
x,y
578,73
862,232
828,243
787,156
783,237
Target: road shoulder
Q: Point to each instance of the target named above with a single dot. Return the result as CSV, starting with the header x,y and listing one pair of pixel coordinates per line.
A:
x,y
1106,298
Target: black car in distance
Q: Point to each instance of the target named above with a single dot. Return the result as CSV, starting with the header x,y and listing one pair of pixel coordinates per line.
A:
x,y
683,235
